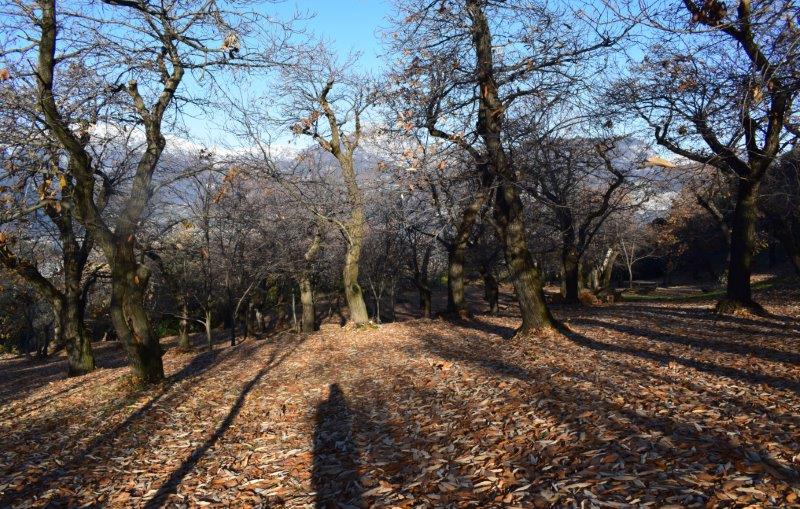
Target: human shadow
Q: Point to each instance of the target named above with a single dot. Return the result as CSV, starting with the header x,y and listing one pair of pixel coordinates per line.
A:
x,y
335,475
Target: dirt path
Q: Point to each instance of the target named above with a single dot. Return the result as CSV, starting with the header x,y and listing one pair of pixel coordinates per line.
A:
x,y
640,405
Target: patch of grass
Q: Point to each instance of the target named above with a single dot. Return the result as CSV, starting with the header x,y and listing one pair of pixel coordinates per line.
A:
x,y
714,294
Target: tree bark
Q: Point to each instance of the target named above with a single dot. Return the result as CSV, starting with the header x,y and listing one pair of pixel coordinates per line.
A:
x,y
457,251
355,230
608,267
570,263
79,348
183,330
456,255
491,291
128,284
425,300
308,322
209,335
525,275
508,209
738,293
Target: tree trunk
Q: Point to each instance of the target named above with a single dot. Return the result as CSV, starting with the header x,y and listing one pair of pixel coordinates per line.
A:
x,y
209,335
491,291
457,251
608,267
248,322
183,328
352,290
456,304
525,275
308,322
58,330
259,321
425,304
128,283
79,347
738,294
630,276
392,301
508,210
569,260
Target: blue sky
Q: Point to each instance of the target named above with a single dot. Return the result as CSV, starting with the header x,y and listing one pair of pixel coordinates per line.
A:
x,y
350,24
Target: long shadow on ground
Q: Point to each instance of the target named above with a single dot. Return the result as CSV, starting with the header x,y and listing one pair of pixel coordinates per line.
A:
x,y
335,475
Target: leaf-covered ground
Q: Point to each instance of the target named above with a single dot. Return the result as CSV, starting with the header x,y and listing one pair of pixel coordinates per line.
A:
x,y
641,405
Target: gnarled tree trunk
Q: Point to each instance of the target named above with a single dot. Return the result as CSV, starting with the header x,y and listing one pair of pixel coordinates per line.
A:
x,y
128,285
525,275
508,209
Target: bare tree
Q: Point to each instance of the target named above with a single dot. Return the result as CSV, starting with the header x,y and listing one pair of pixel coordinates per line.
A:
x,y
153,47
718,86
583,181
327,104
462,76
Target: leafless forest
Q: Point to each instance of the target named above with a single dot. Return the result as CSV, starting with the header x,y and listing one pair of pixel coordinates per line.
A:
x,y
541,254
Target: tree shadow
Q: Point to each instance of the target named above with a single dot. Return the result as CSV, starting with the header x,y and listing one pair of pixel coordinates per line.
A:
x,y
564,402
775,325
170,486
718,345
335,475
21,376
773,381
180,383
503,331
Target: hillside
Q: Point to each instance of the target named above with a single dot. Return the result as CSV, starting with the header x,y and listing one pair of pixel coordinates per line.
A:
x,y
642,404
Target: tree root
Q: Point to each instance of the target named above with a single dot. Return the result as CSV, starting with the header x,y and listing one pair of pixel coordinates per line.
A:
x,y
737,308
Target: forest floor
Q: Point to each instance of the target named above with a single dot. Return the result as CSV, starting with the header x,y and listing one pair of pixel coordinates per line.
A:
x,y
648,404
